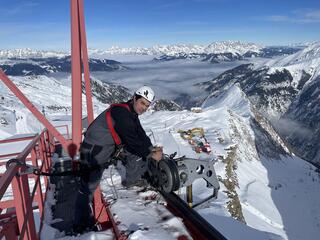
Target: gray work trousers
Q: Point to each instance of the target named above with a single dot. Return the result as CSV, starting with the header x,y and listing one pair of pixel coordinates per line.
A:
x,y
135,169
89,182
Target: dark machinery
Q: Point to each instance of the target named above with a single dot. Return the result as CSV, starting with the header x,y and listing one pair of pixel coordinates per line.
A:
x,y
171,173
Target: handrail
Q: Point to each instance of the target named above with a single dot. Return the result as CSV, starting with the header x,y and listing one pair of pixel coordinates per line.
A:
x,y
15,90
7,177
19,139
23,196
67,130
24,154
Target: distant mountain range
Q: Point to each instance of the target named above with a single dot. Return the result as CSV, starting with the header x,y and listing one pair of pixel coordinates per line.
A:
x,y
46,65
285,88
157,50
232,54
23,62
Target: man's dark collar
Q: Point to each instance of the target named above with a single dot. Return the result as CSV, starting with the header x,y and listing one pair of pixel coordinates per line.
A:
x,y
130,103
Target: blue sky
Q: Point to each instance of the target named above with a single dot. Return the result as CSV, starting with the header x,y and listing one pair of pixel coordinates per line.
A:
x,y
45,24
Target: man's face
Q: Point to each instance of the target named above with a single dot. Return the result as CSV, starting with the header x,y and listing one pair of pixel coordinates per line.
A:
x,y
141,105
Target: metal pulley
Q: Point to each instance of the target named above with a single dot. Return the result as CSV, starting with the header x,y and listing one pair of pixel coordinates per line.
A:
x,y
170,174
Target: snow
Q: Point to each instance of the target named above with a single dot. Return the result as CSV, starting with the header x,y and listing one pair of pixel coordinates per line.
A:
x,y
270,190
233,47
279,196
144,219
215,47
233,99
307,60
44,92
27,53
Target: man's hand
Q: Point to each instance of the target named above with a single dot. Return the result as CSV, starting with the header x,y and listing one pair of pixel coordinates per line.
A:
x,y
156,153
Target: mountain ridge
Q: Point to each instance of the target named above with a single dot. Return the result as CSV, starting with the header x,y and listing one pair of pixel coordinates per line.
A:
x,y
212,48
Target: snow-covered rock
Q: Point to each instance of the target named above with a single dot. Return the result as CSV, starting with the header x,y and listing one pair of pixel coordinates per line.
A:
x,y
286,88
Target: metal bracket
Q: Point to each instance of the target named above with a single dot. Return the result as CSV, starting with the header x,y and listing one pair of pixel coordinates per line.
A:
x,y
191,169
30,169
14,160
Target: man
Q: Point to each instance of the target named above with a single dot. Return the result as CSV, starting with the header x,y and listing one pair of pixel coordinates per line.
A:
x,y
117,130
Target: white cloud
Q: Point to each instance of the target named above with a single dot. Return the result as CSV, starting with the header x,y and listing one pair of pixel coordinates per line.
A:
x,y
298,16
166,77
311,16
278,18
19,8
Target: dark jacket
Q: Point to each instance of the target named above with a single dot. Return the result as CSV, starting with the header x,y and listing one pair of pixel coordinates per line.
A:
x,y
98,144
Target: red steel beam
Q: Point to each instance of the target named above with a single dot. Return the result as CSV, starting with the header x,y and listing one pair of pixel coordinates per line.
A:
x,y
23,205
76,76
16,139
7,156
33,109
37,187
85,63
118,235
98,207
9,229
6,178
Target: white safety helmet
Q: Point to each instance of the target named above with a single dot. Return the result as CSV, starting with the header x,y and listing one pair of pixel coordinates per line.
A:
x,y
146,92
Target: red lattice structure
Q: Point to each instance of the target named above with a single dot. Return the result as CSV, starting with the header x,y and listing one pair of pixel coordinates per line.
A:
x,y
17,212
20,221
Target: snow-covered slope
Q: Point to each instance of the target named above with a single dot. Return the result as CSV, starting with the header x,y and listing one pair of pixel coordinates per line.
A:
x,y
307,60
275,84
51,97
266,193
284,88
303,112
262,184
270,92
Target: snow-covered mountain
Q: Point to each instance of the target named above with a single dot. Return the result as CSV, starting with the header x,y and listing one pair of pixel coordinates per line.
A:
x,y
108,93
165,105
43,66
303,113
230,51
265,190
215,47
52,97
29,53
214,52
235,47
232,47
272,92
285,88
